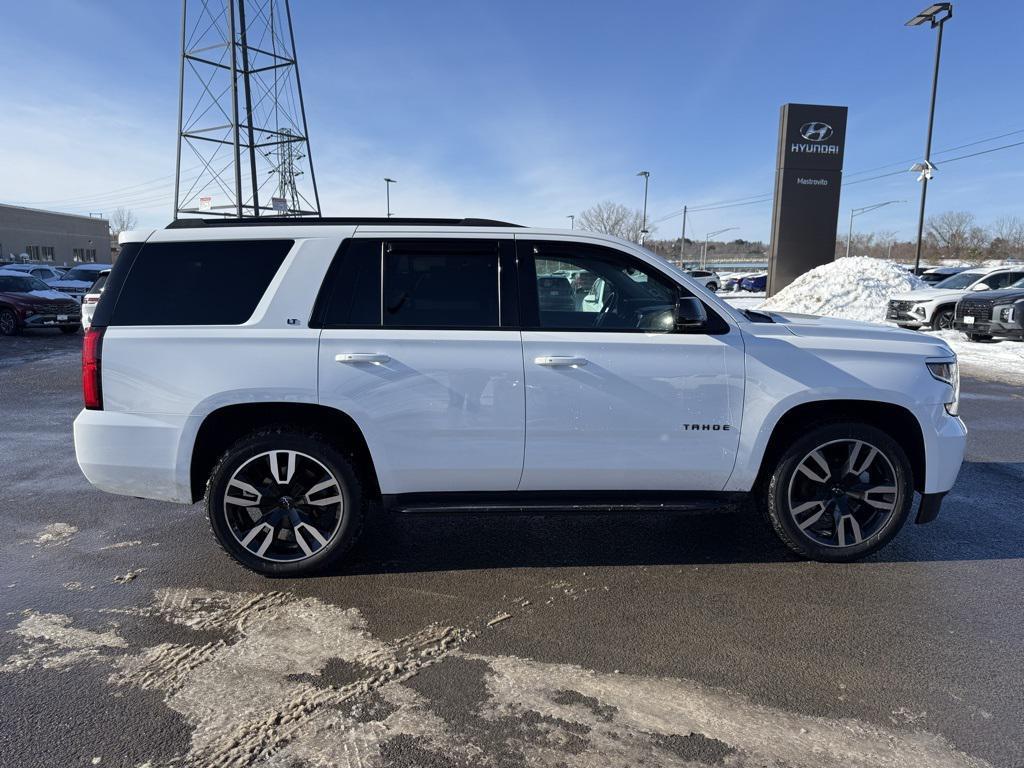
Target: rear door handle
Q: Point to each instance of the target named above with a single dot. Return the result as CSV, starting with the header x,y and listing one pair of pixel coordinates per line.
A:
x,y
555,361
361,357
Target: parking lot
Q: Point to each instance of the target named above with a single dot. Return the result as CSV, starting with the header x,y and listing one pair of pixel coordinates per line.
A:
x,y
128,638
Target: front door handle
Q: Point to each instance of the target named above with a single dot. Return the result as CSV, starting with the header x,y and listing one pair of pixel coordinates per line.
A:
x,y
361,357
555,361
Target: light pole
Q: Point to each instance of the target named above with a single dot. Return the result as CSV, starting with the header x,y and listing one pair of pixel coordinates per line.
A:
x,y
931,15
682,241
708,236
858,212
643,224
387,191
572,221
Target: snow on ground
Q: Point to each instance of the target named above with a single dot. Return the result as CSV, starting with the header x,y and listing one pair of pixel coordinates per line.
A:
x,y
855,288
858,288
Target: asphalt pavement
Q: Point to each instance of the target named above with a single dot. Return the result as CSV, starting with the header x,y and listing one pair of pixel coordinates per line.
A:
x,y
128,639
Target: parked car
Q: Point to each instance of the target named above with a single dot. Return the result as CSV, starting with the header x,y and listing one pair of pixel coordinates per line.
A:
x,y
755,283
92,298
290,375
48,275
707,278
936,275
77,281
935,307
992,314
28,302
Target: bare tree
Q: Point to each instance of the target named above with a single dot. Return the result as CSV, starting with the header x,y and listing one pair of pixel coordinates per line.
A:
x,y
956,235
610,218
1007,237
122,220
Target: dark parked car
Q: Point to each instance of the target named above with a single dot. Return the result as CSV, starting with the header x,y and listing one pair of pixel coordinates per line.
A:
x,y
936,275
992,313
755,283
28,302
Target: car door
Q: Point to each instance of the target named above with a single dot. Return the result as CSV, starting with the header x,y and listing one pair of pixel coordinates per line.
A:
x,y
615,398
421,347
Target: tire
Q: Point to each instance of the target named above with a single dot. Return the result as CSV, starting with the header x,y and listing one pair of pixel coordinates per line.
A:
x,y
712,286
942,320
849,525
8,322
272,526
67,330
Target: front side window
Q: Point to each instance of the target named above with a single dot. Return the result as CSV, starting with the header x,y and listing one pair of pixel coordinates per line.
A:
x,y
440,284
588,288
962,280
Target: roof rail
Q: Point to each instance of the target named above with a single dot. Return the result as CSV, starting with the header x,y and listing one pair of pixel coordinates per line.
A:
x,y
302,221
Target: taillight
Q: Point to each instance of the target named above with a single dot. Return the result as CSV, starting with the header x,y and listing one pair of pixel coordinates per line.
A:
x,y
92,389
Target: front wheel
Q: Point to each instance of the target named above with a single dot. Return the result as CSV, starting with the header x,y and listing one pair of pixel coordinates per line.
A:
x,y
8,322
942,320
283,502
840,492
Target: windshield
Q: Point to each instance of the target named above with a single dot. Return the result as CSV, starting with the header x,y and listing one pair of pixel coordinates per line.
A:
x,y
963,280
19,284
85,275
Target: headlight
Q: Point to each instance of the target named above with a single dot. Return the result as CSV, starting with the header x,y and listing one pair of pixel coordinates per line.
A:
x,y
948,372
919,308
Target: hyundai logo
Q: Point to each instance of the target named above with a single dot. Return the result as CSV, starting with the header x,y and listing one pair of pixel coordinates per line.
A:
x,y
816,131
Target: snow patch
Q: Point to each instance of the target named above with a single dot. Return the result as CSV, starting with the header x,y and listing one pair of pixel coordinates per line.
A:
x,y
55,535
852,288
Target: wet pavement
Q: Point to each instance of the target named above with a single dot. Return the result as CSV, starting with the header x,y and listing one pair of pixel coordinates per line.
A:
x,y
128,638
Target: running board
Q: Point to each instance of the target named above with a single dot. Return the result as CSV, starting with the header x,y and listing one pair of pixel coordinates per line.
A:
x,y
562,502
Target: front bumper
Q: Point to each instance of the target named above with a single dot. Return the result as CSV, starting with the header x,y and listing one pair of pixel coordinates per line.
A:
x,y
990,328
945,443
907,314
45,320
133,455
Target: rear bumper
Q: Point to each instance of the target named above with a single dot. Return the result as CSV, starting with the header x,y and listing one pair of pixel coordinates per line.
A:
x,y
133,455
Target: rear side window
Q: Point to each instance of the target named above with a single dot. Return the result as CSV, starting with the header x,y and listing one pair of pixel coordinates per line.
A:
x,y
198,283
441,284
350,297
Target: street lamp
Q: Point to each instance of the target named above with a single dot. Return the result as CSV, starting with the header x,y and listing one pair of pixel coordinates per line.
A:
x,y
708,236
572,221
643,224
865,209
387,190
932,15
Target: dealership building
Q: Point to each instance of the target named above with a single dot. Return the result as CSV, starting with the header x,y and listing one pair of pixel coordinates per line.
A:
x,y
48,237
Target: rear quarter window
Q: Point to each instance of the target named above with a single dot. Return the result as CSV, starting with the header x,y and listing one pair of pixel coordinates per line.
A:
x,y
198,283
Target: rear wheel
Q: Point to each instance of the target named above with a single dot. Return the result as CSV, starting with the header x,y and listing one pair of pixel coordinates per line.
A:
x,y
8,322
840,492
942,320
285,503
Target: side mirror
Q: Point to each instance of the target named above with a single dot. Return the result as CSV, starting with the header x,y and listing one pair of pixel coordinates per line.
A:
x,y
689,314
981,287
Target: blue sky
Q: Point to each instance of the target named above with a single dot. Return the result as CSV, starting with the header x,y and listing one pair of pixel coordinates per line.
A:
x,y
530,110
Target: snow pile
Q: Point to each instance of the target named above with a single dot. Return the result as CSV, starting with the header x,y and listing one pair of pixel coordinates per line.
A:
x,y
853,288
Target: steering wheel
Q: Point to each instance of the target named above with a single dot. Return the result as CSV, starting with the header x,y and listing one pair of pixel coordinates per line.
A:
x,y
610,306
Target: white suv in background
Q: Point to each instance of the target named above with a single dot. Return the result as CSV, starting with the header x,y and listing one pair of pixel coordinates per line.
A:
x,y
291,372
934,307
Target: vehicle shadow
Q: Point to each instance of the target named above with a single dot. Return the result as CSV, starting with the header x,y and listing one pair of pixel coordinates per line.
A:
x,y
466,541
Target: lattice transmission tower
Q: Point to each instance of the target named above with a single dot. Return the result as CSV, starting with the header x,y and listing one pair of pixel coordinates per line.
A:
x,y
243,144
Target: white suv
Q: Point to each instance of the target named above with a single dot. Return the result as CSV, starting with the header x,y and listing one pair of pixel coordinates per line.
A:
x,y
934,307
291,372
